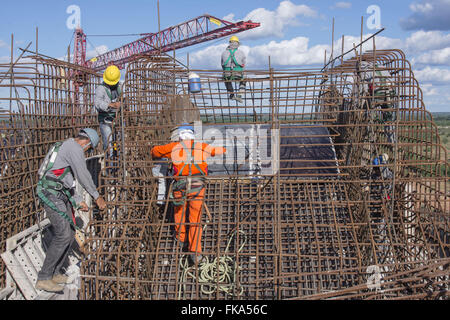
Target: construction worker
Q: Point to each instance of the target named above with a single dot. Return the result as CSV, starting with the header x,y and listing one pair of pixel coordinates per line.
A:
x,y
189,170
107,103
64,163
233,63
380,86
382,172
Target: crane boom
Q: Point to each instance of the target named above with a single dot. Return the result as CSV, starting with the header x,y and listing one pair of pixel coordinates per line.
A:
x,y
194,31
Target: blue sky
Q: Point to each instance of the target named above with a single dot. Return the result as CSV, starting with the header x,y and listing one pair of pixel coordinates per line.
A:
x,y
296,33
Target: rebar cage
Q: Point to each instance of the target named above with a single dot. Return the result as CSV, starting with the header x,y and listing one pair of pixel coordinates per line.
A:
x,y
320,220
296,209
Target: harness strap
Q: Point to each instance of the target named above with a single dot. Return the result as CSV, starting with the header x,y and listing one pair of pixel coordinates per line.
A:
x,y
182,185
55,185
109,93
52,205
190,161
237,67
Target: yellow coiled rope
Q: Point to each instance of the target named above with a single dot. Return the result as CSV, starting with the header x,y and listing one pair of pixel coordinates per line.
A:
x,y
217,275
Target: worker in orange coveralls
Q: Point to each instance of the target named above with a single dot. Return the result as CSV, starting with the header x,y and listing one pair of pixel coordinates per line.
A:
x,y
189,170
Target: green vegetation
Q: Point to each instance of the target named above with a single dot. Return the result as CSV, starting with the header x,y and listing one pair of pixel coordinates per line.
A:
x,y
442,120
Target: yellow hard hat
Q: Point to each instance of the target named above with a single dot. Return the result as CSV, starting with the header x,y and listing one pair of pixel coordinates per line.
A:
x,y
234,38
111,75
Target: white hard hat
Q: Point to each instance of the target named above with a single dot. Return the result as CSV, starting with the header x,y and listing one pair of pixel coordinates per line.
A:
x,y
186,134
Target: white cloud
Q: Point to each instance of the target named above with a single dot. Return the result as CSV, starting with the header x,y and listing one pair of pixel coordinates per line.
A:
x,y
422,8
428,89
294,52
342,5
428,15
96,51
433,75
434,57
273,23
427,40
3,44
209,57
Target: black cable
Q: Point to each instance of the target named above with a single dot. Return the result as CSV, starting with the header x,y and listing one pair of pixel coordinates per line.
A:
x,y
117,35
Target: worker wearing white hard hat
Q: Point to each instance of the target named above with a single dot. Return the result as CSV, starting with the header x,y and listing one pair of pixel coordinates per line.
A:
x,y
190,169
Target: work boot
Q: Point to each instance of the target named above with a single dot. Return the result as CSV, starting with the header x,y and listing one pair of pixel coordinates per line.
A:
x,y
196,258
49,286
60,279
238,98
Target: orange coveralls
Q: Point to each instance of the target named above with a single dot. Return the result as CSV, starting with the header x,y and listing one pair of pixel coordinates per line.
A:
x,y
198,153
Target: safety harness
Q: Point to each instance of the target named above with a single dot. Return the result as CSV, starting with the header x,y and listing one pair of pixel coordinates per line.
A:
x,y
383,94
54,186
192,183
108,116
236,67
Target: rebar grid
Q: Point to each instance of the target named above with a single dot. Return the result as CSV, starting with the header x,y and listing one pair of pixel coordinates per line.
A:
x,y
43,104
322,226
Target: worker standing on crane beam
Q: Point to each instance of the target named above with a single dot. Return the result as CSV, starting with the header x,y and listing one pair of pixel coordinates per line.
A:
x,y
233,63
189,170
107,103
56,190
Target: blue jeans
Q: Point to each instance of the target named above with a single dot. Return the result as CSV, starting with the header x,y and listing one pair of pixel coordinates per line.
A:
x,y
106,130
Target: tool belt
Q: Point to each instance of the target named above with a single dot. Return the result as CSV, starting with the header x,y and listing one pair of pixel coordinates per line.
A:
x,y
186,186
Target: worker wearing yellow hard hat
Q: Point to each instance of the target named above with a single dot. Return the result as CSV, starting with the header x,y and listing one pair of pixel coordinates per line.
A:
x,y
107,103
233,63
234,38
111,76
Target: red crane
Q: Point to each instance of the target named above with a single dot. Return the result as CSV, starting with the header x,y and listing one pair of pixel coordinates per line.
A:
x,y
194,31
